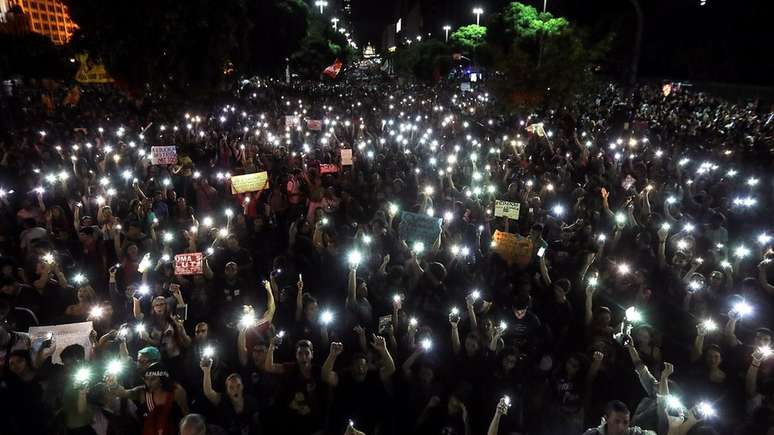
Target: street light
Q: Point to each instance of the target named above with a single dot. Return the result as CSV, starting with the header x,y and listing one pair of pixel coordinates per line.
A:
x,y
446,29
478,12
335,22
322,4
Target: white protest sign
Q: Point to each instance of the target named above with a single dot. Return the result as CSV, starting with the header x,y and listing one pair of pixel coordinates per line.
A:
x,y
166,155
507,209
65,335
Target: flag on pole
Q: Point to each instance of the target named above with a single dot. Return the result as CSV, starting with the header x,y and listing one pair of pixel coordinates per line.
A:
x,y
333,70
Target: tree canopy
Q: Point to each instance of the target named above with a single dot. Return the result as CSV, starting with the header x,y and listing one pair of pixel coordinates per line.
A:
x,y
469,37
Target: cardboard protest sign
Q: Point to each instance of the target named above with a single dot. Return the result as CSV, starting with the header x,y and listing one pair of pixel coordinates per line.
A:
x,y
63,336
513,248
416,227
346,157
189,264
250,182
507,209
292,120
465,86
327,168
314,124
166,155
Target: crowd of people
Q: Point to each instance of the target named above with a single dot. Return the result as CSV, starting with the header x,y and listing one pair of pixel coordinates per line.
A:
x,y
627,289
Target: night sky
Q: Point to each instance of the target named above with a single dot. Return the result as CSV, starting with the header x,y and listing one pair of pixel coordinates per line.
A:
x,y
723,40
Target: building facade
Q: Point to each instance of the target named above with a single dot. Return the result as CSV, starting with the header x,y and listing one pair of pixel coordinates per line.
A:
x,y
47,17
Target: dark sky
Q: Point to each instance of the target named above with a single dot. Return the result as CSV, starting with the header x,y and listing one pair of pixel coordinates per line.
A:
x,y
725,40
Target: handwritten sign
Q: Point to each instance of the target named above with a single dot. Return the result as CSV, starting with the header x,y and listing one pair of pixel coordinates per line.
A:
x,y
507,209
292,120
346,157
63,336
465,86
513,248
166,155
327,168
415,227
250,182
188,264
314,124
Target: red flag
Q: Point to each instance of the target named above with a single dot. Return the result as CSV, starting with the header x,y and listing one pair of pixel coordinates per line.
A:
x,y
333,70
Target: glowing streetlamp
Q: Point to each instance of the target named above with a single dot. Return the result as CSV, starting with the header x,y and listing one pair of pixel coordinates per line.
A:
x,y
446,29
478,12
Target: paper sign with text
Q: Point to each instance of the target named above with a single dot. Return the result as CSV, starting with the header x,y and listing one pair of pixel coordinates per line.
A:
x,y
507,209
327,168
292,120
314,124
346,157
416,227
250,182
189,264
166,155
65,335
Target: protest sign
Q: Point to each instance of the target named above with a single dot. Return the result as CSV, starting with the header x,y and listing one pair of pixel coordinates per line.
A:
x,y
416,227
513,248
250,182
63,336
314,124
465,86
188,264
292,120
166,155
327,168
346,157
507,209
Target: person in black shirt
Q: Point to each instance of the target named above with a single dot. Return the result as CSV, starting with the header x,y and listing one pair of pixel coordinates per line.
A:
x,y
524,327
360,394
237,413
232,293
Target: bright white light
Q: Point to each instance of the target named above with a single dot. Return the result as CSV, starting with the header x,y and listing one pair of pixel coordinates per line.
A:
x,y
354,258
326,317
426,344
633,315
742,308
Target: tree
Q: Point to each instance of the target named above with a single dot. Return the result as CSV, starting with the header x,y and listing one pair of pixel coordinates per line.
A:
x,y
469,38
425,60
319,48
538,52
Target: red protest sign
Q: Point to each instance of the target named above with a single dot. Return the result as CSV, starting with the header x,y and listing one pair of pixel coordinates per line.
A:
x,y
314,124
327,168
188,264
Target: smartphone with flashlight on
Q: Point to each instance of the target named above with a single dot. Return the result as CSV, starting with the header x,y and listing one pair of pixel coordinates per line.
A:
x,y
541,252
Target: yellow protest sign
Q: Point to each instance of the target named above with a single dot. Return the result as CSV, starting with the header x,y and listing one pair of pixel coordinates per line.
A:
x,y
250,182
89,72
512,247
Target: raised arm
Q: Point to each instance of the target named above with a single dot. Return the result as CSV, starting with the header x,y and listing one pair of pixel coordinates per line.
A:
x,y
544,271
698,343
751,378
211,395
387,369
455,334
329,376
268,365
502,409
271,307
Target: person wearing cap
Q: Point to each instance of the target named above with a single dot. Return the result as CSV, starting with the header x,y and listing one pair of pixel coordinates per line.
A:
x,y
161,401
